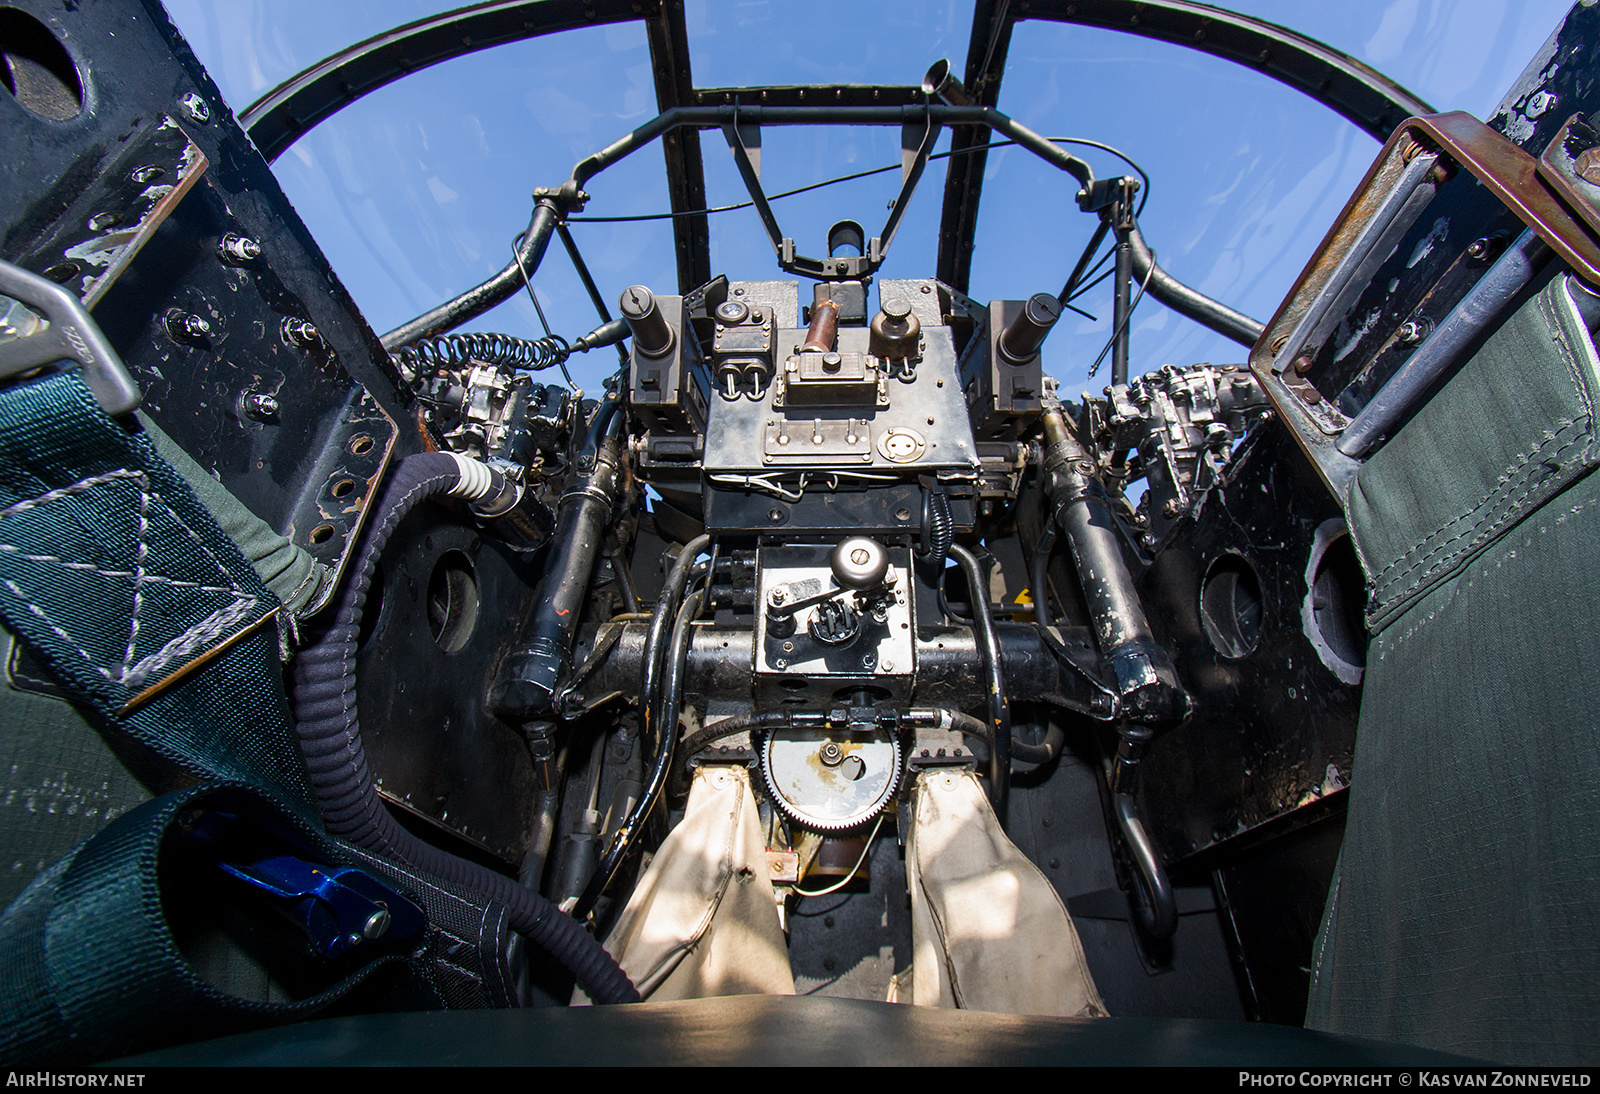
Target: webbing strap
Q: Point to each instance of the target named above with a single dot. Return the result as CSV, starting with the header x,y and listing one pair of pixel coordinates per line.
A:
x,y
98,957
122,583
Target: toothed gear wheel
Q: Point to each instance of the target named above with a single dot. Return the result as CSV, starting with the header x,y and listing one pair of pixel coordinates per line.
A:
x,y
830,781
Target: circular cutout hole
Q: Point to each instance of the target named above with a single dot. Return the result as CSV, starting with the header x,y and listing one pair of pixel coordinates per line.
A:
x,y
1230,606
452,601
36,69
322,533
361,444
343,487
1334,610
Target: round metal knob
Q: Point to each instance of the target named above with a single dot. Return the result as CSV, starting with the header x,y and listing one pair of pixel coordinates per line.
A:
x,y
859,563
652,334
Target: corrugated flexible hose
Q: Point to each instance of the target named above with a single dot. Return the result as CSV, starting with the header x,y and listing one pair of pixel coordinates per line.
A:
x,y
330,739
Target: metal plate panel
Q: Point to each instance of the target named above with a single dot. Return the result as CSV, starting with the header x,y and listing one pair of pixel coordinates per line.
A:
x,y
932,405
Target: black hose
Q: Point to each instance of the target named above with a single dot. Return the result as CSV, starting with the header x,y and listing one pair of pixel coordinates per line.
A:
x,y
1190,302
1046,750
330,739
938,528
497,290
672,685
740,723
1039,579
600,425
653,735
999,707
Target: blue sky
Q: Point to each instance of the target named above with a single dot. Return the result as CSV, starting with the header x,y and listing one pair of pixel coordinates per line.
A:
x,y
416,191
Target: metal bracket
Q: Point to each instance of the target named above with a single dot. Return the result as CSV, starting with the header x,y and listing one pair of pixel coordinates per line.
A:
x,y
918,134
1531,189
1514,177
1570,165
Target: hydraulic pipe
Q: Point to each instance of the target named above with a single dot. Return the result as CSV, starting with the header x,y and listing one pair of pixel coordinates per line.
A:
x,y
995,684
497,290
1158,905
1120,305
1190,302
652,733
525,688
1148,693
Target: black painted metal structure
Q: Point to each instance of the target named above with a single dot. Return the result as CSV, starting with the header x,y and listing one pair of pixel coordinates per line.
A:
x,y
283,115
1218,802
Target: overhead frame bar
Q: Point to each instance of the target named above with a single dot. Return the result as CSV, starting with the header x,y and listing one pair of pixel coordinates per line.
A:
x,y
1364,96
308,98
963,180
1360,94
686,176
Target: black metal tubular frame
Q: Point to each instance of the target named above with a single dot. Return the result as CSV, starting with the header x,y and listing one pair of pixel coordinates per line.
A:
x,y
686,176
290,110
1366,97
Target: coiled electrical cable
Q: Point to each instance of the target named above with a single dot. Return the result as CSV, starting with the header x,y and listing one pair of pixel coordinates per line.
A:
x,y
504,350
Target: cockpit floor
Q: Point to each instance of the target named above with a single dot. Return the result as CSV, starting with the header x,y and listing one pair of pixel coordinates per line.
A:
x,y
850,945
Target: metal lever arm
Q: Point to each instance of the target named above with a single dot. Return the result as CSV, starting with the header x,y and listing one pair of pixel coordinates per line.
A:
x,y
68,334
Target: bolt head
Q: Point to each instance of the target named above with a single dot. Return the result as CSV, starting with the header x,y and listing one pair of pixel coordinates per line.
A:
x,y
1588,166
236,248
195,108
298,332
376,926
261,406
1413,331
